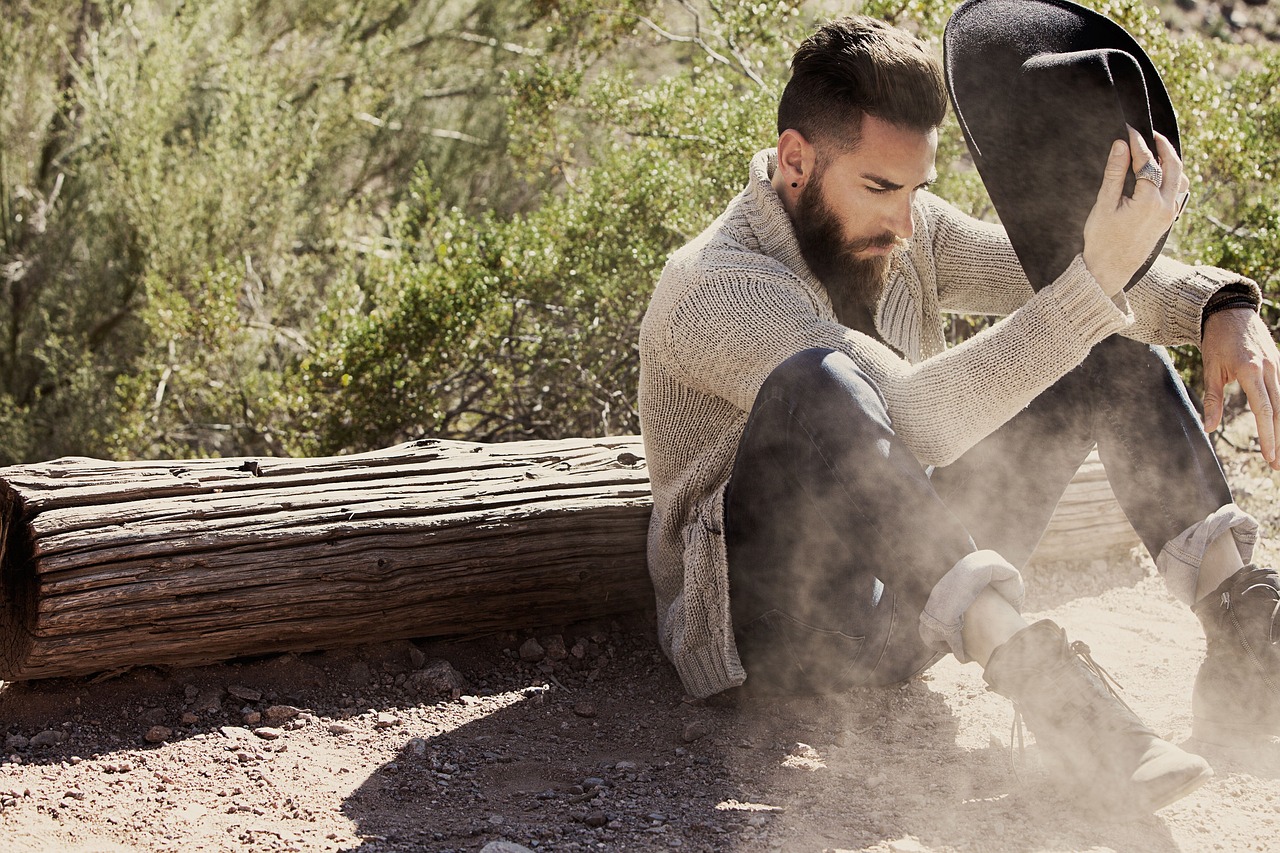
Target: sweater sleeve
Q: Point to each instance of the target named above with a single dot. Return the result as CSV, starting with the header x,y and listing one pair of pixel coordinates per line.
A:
x,y
732,328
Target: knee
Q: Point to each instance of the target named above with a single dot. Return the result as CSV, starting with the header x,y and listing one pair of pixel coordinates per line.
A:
x,y
825,377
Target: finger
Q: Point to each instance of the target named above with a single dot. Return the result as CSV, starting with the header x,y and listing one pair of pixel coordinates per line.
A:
x,y
1139,149
1213,393
1255,390
1273,393
1113,177
1171,163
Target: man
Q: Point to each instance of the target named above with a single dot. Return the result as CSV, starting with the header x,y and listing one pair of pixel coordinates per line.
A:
x,y
839,498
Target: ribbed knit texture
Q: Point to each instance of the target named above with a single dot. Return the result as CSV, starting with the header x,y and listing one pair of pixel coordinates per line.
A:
x,y
739,300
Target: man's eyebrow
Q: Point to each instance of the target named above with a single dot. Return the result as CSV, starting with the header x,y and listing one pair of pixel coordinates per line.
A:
x,y
886,184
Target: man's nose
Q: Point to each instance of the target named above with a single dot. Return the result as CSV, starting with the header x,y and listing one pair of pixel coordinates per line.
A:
x,y
901,222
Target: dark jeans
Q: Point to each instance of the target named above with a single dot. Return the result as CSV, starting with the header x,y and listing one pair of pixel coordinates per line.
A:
x,y
836,534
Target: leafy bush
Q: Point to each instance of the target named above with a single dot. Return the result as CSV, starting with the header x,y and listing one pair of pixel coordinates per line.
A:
x,y
249,226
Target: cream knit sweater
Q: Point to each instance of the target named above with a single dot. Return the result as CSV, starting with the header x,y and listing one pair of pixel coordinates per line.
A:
x,y
738,300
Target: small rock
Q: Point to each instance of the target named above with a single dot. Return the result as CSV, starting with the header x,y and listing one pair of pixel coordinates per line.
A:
x,y
416,657
340,729
281,713
532,651
386,721
418,746
49,737
209,700
190,692
158,734
695,731
803,750
591,783
252,718
189,719
234,732
436,678
268,733
497,819
504,847
596,818
359,673
554,646
248,694
907,844
585,709
625,766
13,743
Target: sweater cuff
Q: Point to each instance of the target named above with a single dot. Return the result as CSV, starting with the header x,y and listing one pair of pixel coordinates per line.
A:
x,y
1087,307
1186,308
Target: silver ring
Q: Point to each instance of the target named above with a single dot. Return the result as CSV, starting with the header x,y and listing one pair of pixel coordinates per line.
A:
x,y
1152,172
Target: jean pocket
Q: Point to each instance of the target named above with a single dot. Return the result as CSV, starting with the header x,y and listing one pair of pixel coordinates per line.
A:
x,y
783,654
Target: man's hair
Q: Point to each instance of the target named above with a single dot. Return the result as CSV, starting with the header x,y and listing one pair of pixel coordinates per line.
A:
x,y
856,66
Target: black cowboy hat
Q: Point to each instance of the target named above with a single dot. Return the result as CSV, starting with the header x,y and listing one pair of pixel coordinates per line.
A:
x,y
1041,89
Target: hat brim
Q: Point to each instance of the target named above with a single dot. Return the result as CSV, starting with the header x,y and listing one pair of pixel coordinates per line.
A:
x,y
1040,89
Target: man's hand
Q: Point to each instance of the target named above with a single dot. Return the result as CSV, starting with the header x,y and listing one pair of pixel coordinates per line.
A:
x,y
1237,346
1121,231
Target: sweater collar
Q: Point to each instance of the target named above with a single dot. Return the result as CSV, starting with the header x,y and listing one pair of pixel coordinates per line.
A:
x,y
770,222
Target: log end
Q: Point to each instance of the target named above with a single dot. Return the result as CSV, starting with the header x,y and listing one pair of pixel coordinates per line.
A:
x,y
17,585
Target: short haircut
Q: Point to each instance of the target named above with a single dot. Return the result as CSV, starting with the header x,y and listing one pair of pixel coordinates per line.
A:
x,y
855,66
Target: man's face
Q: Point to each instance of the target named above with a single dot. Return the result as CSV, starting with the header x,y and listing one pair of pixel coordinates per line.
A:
x,y
857,206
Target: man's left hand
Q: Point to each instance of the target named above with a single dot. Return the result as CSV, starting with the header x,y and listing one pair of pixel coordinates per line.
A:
x,y
1237,346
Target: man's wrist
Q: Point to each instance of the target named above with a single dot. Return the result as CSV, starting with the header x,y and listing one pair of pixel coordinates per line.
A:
x,y
1237,295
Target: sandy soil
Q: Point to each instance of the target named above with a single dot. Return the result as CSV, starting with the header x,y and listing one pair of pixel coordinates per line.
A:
x,y
586,741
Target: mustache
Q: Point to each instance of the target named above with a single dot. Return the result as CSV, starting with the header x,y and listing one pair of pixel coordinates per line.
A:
x,y
879,241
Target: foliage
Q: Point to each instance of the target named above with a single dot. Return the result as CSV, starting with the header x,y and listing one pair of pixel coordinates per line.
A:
x,y
248,226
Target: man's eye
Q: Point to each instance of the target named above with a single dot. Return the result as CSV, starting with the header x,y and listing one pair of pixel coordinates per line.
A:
x,y
877,190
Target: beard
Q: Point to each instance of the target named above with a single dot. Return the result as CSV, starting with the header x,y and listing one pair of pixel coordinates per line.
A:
x,y
853,284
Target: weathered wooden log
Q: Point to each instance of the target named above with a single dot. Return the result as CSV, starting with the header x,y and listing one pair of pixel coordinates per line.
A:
x,y
1088,523
105,565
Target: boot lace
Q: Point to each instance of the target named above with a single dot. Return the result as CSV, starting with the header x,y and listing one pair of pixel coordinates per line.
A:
x,y
1018,728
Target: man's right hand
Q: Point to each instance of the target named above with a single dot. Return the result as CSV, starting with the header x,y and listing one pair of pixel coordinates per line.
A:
x,y
1121,230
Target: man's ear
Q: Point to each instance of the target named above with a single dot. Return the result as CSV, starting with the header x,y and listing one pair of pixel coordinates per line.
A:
x,y
795,158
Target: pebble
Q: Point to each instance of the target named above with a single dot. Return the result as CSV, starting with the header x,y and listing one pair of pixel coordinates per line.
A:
x,y
248,694
437,678
585,709
234,732
49,737
386,721
907,844
252,718
531,650
695,731
359,673
418,746
625,766
504,847
281,713
416,657
596,818
14,743
268,733
803,750
340,729
158,734
554,646
189,719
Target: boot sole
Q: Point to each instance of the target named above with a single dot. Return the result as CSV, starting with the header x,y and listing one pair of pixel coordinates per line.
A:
x,y
1218,733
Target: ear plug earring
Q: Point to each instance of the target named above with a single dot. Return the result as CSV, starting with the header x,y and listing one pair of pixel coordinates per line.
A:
x,y
795,184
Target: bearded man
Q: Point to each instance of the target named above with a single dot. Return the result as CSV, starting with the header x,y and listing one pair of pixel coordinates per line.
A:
x,y
840,497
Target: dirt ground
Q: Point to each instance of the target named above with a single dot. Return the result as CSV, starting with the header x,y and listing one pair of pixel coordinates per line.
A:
x,y
583,740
